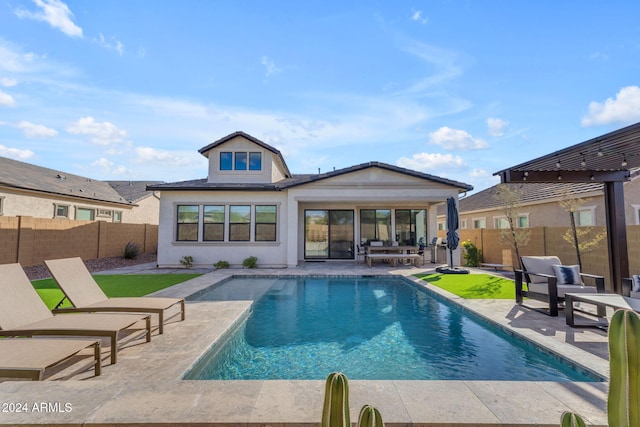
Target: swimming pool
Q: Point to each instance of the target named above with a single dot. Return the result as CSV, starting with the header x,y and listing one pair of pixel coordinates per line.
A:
x,y
373,328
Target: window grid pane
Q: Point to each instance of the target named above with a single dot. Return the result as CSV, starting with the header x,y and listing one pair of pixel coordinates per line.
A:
x,y
255,161
187,227
226,161
266,218
241,161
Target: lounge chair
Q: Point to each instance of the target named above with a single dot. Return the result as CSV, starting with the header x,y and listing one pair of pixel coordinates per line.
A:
x,y
29,358
83,292
548,280
24,314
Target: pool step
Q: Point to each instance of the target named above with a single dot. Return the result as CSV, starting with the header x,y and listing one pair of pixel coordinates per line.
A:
x,y
283,288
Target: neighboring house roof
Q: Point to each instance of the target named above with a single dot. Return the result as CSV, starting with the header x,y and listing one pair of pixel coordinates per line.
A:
x,y
204,150
133,191
25,176
296,180
531,193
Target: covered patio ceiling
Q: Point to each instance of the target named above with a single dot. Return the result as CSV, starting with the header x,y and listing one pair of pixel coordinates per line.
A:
x,y
607,159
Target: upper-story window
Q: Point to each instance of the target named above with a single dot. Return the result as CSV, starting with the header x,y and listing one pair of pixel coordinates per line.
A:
x,y
240,163
226,161
240,160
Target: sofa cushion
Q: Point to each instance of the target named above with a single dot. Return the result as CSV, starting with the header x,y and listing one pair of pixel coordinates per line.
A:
x,y
542,288
567,274
540,264
635,283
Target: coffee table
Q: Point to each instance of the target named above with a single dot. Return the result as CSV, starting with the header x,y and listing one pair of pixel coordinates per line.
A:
x,y
601,301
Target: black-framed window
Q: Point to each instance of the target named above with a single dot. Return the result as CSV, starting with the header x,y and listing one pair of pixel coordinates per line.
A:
x,y
375,225
213,227
266,219
255,161
187,226
240,223
411,226
240,161
226,161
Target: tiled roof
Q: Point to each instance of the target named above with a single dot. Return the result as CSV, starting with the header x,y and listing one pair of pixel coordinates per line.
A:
x,y
301,179
133,191
20,175
531,193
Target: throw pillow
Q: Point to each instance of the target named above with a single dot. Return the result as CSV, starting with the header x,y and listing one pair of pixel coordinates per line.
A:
x,y
635,283
568,274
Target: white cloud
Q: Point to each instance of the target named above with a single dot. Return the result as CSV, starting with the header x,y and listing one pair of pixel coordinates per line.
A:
x,y
111,44
479,173
454,139
15,153
32,130
109,167
104,133
625,108
7,82
270,66
496,126
55,13
418,17
167,158
7,100
430,162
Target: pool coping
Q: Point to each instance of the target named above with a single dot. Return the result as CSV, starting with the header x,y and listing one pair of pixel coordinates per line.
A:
x,y
145,387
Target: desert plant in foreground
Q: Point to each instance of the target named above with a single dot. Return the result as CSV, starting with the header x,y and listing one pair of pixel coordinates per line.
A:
x,y
623,403
370,417
335,412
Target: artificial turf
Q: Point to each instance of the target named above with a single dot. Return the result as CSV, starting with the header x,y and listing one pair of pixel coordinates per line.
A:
x,y
473,286
114,285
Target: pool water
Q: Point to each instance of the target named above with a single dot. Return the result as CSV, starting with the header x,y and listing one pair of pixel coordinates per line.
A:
x,y
371,329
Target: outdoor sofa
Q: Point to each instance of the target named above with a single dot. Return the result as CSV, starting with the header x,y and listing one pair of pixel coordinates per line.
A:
x,y
548,280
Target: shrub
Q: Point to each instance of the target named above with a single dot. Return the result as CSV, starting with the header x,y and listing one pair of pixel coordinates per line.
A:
x,y
187,261
250,262
131,250
221,264
472,254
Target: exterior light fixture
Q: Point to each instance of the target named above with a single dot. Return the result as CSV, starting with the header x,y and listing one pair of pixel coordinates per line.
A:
x,y
583,163
600,153
559,177
558,164
624,160
592,178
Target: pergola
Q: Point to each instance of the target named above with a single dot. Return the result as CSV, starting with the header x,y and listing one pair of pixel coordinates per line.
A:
x,y
607,159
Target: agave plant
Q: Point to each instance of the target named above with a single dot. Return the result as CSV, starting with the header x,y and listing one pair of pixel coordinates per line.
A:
x,y
369,417
335,412
623,403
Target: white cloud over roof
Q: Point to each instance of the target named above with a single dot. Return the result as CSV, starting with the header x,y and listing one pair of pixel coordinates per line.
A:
x,y
455,139
104,133
624,108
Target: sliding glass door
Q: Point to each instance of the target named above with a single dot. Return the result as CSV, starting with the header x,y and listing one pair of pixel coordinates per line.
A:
x,y
328,234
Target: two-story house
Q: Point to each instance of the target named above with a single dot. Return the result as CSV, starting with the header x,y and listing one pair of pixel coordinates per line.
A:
x,y
252,205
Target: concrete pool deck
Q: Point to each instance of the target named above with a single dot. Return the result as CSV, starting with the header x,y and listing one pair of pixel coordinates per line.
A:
x,y
145,386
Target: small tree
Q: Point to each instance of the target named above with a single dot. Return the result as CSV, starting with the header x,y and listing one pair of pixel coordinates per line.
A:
x,y
510,198
581,239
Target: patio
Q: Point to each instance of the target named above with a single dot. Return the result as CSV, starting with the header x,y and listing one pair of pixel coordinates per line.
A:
x,y
145,386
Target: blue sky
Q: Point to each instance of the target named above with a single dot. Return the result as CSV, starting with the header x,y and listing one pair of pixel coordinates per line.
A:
x,y
461,89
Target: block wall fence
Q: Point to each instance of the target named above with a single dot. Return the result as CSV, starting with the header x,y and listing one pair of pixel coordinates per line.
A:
x,y
549,241
30,241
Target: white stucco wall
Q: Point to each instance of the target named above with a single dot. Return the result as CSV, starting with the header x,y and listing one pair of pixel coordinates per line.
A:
x,y
170,251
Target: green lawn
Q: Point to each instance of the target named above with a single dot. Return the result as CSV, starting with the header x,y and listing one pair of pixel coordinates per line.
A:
x,y
114,285
473,286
